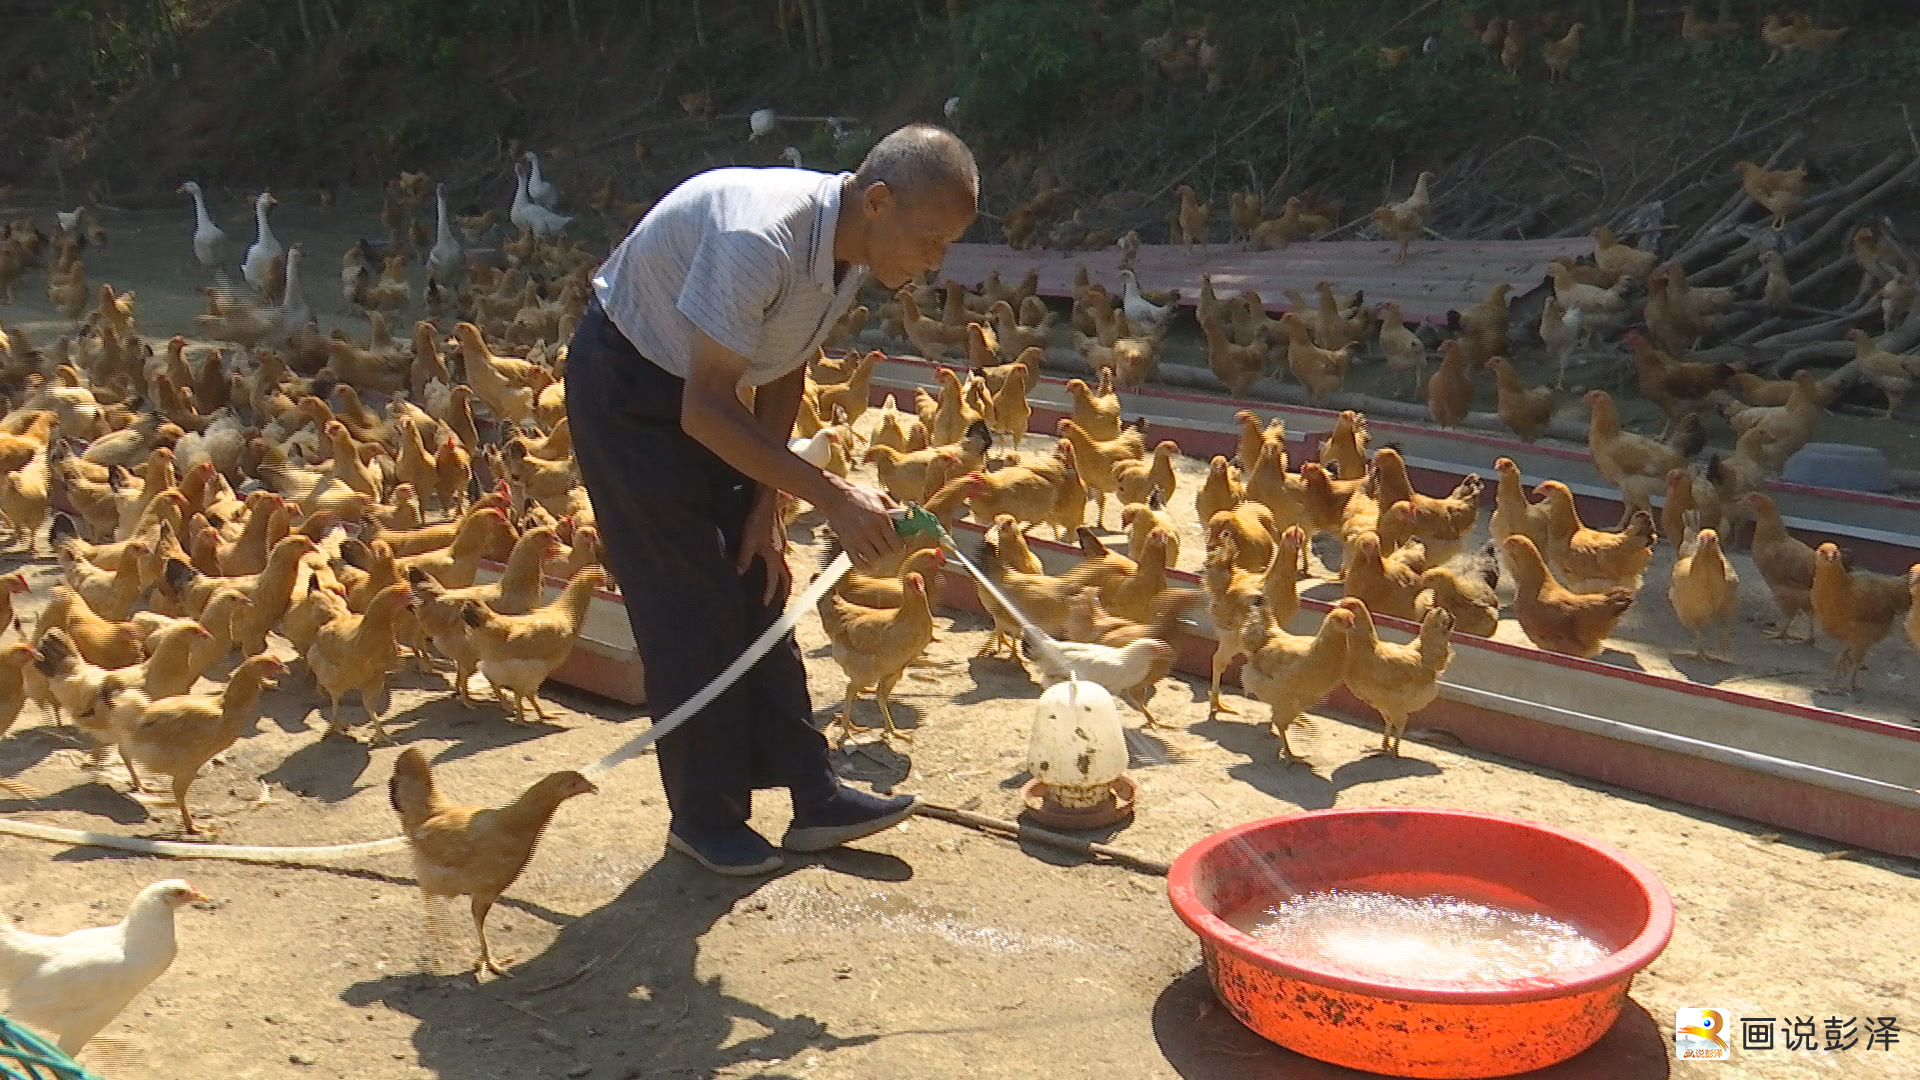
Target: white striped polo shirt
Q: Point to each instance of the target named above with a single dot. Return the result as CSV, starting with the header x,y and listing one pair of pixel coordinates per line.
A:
x,y
745,256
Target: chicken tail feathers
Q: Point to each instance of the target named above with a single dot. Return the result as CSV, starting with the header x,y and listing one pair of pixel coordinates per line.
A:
x,y
63,527
17,961
1688,436
411,789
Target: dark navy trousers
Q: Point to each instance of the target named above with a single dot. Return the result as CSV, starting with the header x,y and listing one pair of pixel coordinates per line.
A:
x,y
671,515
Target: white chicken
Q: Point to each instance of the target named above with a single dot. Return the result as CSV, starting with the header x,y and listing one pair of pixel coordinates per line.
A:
x,y
816,450
1116,669
73,985
1144,314
209,241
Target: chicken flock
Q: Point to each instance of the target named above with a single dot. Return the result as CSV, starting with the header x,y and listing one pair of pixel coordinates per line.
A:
x,y
299,488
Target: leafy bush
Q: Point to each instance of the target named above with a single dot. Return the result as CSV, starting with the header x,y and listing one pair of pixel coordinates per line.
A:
x,y
1020,60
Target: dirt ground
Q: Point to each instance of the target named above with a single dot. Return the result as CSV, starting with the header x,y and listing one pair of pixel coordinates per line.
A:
x,y
929,950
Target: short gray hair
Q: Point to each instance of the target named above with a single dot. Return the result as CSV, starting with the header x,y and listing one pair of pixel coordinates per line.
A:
x,y
919,160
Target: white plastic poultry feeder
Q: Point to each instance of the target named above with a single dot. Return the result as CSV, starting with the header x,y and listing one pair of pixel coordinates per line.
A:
x,y
1078,759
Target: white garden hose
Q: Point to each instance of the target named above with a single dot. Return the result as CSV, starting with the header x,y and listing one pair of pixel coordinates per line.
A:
x,y
328,855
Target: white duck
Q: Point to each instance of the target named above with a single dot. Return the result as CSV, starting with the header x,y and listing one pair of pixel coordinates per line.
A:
x,y
73,985
266,247
530,215
1142,312
209,242
444,261
791,155
538,189
952,107
761,123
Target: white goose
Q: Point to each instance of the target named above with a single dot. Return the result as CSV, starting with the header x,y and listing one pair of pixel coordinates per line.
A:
x,y
444,261
791,155
295,313
209,242
531,216
265,248
538,189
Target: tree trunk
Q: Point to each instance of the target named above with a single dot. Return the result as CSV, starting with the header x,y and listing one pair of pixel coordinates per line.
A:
x,y
824,35
699,26
306,24
573,18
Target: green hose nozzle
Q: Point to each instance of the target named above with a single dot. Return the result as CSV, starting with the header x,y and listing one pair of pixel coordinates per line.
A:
x,y
914,518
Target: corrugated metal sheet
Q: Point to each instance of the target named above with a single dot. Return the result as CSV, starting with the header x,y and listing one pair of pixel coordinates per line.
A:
x,y
1436,276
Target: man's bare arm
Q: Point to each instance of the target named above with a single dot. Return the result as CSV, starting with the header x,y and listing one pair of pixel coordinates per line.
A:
x,y
752,442
777,403
711,412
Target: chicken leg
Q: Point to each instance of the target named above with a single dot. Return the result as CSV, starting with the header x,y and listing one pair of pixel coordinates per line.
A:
x,y
483,903
1220,661
1139,702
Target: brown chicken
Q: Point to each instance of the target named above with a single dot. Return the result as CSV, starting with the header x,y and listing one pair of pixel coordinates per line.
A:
x,y
1397,680
1512,512
1780,191
1135,479
1789,427
1251,528
469,851
1623,260
97,640
1527,411
518,652
1096,410
1238,366
1221,490
1288,672
1320,371
1891,373
1634,464
1014,569
875,646
1553,617
1469,598
1096,460
1406,220
1388,582
1913,604
1854,607
1705,590
356,652
1559,54
1688,494
177,735
1679,389
1590,560
1450,388
1785,563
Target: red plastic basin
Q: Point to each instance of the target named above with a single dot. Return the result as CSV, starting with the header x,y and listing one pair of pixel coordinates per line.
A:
x,y
1421,1028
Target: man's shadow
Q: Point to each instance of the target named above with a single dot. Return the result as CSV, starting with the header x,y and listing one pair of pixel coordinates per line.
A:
x,y
617,990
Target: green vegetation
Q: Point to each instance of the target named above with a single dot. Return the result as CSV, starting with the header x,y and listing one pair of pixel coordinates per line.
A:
x,y
344,90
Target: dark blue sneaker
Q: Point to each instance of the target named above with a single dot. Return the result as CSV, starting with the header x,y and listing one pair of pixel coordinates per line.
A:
x,y
848,814
736,852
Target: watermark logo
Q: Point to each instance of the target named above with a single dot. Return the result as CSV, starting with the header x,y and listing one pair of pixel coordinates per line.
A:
x,y
1701,1035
